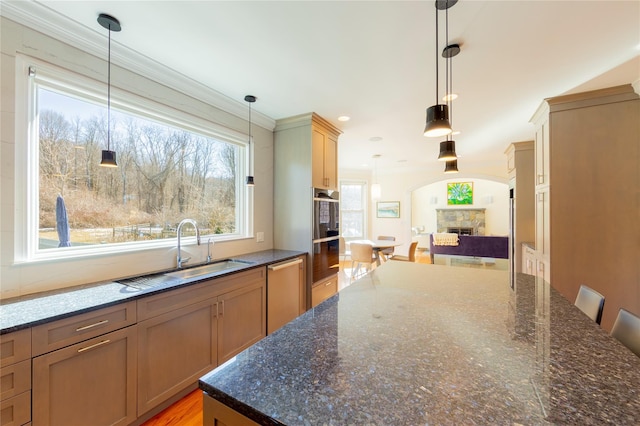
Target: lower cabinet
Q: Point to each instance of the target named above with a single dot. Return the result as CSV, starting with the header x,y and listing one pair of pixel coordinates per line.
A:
x,y
217,414
114,365
324,290
174,350
89,383
185,333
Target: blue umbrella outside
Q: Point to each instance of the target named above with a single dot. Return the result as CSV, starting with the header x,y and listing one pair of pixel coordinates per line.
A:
x,y
62,223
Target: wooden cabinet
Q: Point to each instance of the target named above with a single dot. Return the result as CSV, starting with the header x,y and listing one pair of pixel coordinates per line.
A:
x,y
15,378
324,158
520,163
174,350
305,156
324,290
185,333
92,382
542,191
286,298
216,413
587,162
528,260
242,318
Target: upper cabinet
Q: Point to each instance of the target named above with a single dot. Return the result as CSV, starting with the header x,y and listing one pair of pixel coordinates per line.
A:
x,y
314,143
324,157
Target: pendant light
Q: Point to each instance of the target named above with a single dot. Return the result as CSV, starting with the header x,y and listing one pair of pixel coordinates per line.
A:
x,y
376,189
438,114
451,166
448,147
111,24
250,99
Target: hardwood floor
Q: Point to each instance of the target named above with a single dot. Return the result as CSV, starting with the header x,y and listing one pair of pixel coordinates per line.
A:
x,y
188,410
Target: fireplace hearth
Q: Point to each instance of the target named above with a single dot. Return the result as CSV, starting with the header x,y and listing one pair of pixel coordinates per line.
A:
x,y
461,221
461,231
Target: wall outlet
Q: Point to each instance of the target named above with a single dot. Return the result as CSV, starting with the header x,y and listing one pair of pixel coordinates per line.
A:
x,y
259,237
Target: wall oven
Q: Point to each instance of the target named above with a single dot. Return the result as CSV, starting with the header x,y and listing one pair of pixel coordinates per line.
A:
x,y
326,233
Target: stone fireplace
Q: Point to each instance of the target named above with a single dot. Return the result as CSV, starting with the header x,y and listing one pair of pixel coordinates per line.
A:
x,y
461,221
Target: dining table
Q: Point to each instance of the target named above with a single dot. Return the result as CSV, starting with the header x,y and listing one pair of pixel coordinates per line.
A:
x,y
378,246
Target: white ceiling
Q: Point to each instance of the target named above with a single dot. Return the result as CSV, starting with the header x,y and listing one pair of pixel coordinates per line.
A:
x,y
375,62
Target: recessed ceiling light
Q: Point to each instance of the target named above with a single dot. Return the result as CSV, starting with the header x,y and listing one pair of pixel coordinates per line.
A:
x,y
344,118
455,132
375,139
450,97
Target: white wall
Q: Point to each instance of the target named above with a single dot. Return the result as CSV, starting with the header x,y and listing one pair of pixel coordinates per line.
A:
x,y
18,279
399,184
490,195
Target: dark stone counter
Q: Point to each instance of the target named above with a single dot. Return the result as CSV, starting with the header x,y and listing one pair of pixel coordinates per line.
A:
x,y
414,344
27,311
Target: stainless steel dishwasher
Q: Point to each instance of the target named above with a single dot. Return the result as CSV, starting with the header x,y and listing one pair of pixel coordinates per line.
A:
x,y
285,293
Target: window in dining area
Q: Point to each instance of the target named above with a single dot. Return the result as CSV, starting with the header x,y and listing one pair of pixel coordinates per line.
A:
x,y
352,209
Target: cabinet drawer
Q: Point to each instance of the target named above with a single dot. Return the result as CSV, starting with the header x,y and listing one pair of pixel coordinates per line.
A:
x,y
15,379
323,291
16,411
15,347
65,332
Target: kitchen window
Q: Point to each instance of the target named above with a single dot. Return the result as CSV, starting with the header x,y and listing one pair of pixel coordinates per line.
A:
x,y
171,166
352,209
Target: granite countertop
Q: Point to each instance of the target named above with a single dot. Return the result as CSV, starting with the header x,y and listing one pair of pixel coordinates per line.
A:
x,y
27,311
413,344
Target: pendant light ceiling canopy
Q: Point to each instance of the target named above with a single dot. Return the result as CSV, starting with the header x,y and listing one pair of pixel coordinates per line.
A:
x,y
438,114
250,99
111,24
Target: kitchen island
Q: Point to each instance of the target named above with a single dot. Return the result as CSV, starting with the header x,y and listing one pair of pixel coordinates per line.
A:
x,y
413,344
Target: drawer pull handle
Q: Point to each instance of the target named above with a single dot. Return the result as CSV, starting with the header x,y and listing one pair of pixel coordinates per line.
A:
x,y
86,327
284,265
104,342
328,284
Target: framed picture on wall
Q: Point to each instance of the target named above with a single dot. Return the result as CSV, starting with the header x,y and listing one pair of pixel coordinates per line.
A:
x,y
388,209
459,193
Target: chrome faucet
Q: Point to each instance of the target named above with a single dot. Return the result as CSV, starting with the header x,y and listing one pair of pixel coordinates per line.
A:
x,y
179,259
209,245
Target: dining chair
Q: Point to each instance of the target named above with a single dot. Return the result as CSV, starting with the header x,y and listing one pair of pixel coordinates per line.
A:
x,y
627,330
343,252
361,253
590,302
411,257
388,252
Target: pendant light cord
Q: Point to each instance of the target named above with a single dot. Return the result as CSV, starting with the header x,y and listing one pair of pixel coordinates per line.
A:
x,y
447,60
109,95
250,158
437,78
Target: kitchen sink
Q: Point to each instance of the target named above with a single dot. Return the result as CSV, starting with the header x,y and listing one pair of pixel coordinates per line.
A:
x,y
211,268
147,281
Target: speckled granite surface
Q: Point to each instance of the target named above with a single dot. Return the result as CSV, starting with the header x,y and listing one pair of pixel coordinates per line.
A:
x,y
414,344
27,311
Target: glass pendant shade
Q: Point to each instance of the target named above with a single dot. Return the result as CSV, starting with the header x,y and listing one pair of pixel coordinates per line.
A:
x,y
451,166
108,159
437,121
376,191
447,151
250,181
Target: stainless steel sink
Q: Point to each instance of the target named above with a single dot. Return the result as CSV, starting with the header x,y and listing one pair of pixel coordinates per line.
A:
x,y
211,268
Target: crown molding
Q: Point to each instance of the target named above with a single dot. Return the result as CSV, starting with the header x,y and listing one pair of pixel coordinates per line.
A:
x,y
40,18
